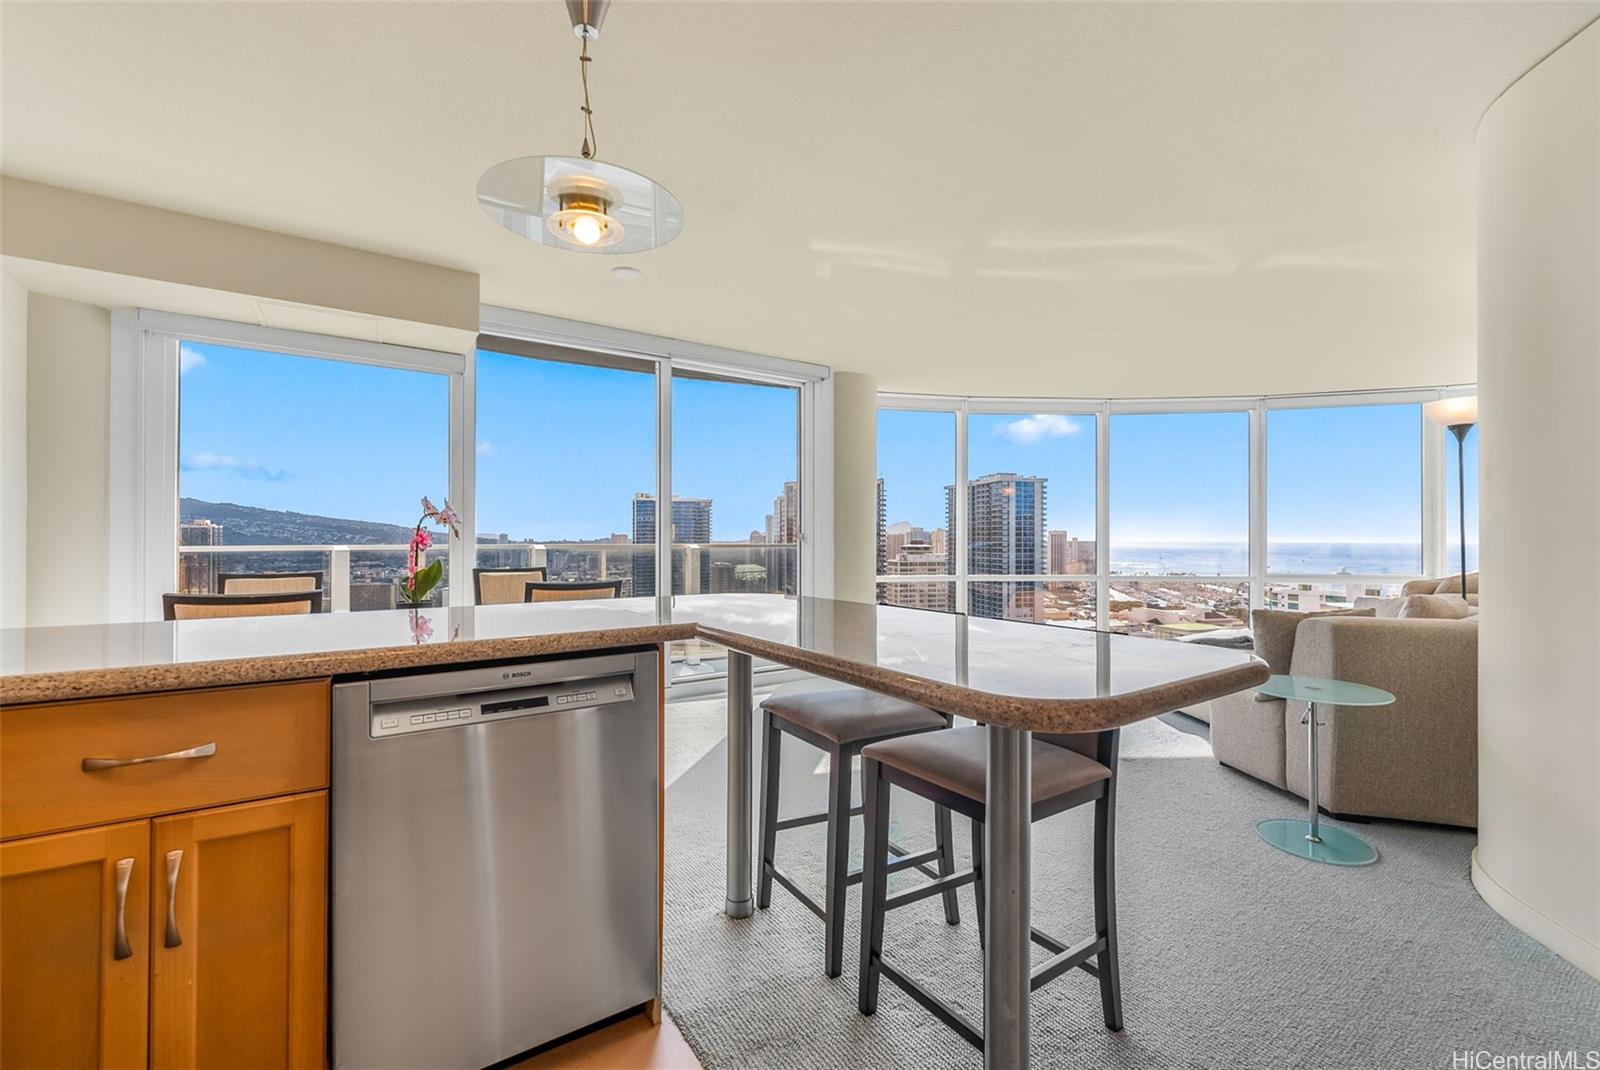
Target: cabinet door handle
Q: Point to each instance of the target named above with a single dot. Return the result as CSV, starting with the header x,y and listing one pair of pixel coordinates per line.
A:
x,y
204,750
174,860
124,873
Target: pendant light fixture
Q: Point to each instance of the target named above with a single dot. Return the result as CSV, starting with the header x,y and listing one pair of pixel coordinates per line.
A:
x,y
577,202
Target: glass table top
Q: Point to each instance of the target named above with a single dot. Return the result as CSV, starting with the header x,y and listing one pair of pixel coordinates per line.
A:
x,y
1319,689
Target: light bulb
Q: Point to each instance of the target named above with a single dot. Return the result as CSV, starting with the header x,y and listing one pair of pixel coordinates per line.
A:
x,y
586,230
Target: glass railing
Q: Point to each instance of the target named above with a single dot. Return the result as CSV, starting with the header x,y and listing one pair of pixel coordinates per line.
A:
x,y
368,576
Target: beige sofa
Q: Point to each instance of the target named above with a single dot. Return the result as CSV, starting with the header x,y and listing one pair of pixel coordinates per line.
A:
x,y
1416,759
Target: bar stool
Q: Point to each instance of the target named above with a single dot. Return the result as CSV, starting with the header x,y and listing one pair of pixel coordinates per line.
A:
x,y
950,769
841,721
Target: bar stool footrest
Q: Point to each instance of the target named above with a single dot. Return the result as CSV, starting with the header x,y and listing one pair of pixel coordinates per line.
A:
x,y
1068,958
932,1003
937,886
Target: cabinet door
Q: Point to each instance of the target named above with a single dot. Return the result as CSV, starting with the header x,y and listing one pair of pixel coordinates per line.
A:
x,y
238,935
74,973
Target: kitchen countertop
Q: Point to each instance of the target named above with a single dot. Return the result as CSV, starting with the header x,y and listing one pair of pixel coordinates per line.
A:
x,y
1005,672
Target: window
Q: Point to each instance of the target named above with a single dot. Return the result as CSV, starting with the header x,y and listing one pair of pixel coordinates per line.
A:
x,y
1344,491
916,472
1452,498
284,460
736,506
1180,494
1031,512
1315,597
566,465
1192,496
1178,608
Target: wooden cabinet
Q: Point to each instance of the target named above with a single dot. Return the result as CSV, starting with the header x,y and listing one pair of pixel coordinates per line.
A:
x,y
238,909
208,748
187,938
74,953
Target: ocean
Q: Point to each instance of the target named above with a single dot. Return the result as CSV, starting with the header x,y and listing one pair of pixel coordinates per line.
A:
x,y
1302,558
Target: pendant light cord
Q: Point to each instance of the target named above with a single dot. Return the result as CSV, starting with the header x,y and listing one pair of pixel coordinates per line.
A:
x,y
591,143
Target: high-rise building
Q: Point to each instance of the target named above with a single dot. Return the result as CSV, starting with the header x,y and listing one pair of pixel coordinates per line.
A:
x,y
917,559
197,573
940,541
783,528
883,513
1070,555
897,536
691,523
1006,525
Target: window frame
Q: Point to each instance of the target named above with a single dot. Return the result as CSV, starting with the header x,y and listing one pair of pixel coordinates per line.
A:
x,y
1256,408
143,431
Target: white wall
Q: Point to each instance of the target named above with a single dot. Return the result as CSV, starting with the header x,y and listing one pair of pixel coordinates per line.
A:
x,y
855,486
13,452
69,350
1538,856
119,238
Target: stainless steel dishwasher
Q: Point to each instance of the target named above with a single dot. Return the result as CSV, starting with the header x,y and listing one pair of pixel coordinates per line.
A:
x,y
494,858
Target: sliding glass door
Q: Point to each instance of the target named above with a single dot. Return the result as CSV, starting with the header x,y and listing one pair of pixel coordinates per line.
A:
x,y
566,467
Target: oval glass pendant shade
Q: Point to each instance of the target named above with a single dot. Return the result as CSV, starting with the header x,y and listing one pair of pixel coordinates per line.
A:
x,y
581,205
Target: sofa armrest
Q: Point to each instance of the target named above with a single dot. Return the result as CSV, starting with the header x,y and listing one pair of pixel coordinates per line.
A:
x,y
1416,759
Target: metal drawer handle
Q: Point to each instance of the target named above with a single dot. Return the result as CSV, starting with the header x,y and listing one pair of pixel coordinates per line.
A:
x,y
174,860
204,750
124,872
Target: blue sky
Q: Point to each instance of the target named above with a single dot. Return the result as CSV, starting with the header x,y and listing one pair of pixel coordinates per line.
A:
x,y
1347,474
313,436
561,450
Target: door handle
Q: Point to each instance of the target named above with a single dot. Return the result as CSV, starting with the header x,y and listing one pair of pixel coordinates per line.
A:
x,y
174,861
124,873
204,750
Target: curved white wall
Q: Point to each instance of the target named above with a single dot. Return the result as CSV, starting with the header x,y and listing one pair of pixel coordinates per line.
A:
x,y
1538,856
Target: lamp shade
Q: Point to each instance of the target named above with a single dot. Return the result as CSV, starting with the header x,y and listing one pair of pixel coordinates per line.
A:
x,y
1452,412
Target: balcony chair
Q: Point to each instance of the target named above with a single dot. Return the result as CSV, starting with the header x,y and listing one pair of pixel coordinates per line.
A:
x,y
273,604
268,582
568,592
840,722
503,586
950,769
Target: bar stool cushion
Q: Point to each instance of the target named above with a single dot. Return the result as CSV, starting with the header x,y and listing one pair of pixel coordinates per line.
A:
x,y
957,761
850,714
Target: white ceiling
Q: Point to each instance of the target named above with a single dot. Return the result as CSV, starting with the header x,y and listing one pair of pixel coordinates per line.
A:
x,y
1071,199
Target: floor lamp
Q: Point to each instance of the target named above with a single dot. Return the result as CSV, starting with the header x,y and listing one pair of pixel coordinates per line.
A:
x,y
1458,416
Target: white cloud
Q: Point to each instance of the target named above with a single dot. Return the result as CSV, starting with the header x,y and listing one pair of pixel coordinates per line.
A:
x,y
214,462
188,358
485,448
1026,430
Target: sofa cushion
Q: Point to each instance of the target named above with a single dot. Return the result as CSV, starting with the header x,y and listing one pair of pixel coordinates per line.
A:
x,y
1452,584
1274,635
1435,607
1381,607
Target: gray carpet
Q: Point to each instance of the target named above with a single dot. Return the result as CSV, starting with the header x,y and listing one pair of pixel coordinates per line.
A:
x,y
1233,954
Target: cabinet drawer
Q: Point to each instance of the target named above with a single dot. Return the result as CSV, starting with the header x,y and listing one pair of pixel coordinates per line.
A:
x,y
267,740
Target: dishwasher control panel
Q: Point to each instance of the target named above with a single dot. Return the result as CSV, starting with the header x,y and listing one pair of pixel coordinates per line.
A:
x,y
403,717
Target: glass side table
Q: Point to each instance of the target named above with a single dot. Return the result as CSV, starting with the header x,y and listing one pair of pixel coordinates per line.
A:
x,y
1310,839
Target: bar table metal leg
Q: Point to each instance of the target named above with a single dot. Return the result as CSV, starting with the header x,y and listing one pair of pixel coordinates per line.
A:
x,y
739,901
1006,962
